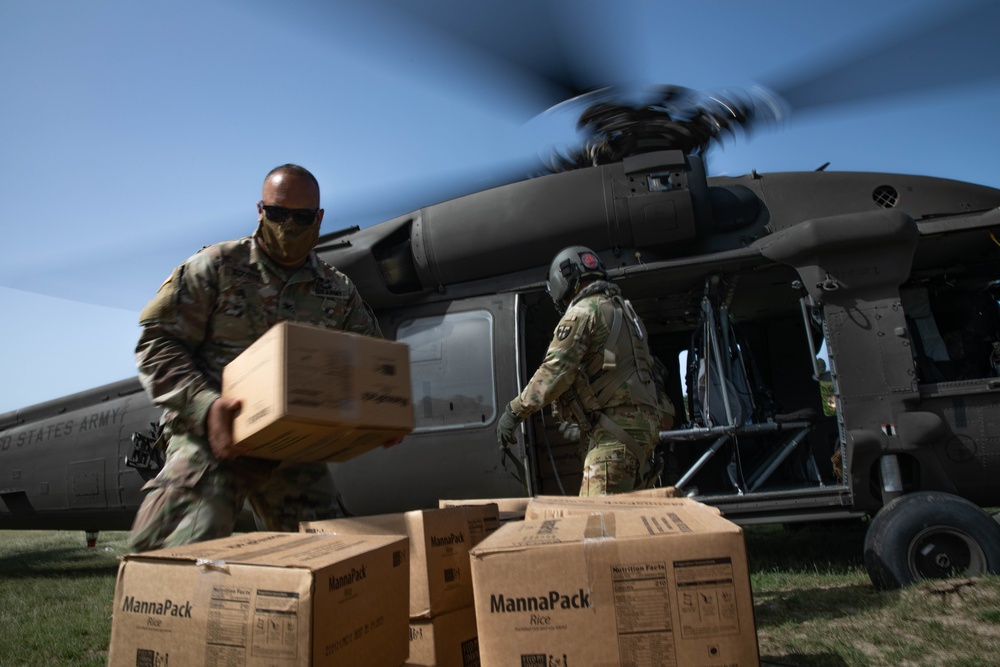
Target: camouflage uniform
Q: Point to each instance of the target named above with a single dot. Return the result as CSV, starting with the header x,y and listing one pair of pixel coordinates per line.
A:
x,y
211,309
577,352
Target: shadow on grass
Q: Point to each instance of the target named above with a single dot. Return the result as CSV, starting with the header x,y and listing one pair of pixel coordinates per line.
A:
x,y
779,608
59,562
835,547
811,573
821,607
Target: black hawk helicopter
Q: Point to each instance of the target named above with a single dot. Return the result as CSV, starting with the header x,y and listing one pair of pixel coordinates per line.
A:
x,y
740,281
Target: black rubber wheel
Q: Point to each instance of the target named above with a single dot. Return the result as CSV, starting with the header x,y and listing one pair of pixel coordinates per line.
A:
x,y
930,535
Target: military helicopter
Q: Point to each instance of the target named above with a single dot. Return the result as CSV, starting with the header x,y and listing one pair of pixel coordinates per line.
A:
x,y
740,281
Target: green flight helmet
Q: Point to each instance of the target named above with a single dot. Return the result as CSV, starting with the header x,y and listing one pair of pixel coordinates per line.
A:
x,y
569,267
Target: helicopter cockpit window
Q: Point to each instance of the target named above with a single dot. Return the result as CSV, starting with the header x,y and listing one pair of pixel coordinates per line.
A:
x,y
954,327
451,369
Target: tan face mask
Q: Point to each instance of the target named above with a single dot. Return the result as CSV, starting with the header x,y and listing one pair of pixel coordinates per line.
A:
x,y
286,243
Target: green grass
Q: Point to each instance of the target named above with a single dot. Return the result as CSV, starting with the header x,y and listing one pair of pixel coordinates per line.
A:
x,y
55,597
814,604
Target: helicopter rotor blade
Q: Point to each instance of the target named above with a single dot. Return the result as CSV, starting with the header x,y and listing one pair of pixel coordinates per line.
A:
x,y
533,54
524,35
561,50
933,52
516,57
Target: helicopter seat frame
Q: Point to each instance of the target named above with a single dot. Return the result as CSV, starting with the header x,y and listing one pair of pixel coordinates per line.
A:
x,y
727,401
794,433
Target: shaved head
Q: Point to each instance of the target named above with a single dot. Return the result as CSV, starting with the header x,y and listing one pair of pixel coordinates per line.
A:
x,y
290,186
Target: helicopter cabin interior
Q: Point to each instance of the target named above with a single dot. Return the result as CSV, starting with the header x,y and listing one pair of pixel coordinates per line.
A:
x,y
739,348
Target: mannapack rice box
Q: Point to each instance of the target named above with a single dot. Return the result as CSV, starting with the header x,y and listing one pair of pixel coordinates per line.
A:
x,y
552,507
264,599
440,539
448,640
511,509
635,586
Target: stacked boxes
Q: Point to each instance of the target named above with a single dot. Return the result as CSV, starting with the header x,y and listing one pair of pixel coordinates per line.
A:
x,y
511,509
636,579
442,617
314,394
264,599
618,580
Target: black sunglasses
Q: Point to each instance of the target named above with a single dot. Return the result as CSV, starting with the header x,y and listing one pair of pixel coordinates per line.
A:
x,y
300,216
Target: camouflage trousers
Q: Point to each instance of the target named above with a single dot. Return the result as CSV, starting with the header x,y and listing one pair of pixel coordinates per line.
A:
x,y
197,498
609,465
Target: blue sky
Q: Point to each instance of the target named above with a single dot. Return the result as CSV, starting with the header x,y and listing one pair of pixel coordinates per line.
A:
x,y
131,133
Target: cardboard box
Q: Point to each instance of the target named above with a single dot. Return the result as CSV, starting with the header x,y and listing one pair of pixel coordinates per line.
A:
x,y
658,492
264,599
313,394
550,507
511,509
440,578
635,587
449,640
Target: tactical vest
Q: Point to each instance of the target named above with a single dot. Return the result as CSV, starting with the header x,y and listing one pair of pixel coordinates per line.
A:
x,y
626,360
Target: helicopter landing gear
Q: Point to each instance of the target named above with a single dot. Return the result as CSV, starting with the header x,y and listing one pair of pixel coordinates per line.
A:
x,y
930,535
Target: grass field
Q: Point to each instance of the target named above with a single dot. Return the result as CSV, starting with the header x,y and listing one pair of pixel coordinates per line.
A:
x,y
814,604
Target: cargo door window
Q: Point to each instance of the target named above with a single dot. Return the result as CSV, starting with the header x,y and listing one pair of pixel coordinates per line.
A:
x,y
451,368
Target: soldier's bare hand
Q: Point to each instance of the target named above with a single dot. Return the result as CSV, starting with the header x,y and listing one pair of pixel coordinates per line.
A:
x,y
219,425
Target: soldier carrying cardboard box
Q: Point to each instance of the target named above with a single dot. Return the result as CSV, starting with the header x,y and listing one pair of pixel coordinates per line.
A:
x,y
214,306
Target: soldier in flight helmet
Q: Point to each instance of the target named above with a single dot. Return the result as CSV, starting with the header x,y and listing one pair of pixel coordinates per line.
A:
x,y
568,268
597,372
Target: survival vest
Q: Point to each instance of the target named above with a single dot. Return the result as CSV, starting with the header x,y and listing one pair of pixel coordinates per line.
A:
x,y
626,360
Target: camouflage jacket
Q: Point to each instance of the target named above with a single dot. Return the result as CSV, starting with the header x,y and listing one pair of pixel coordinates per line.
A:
x,y
577,347
215,305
